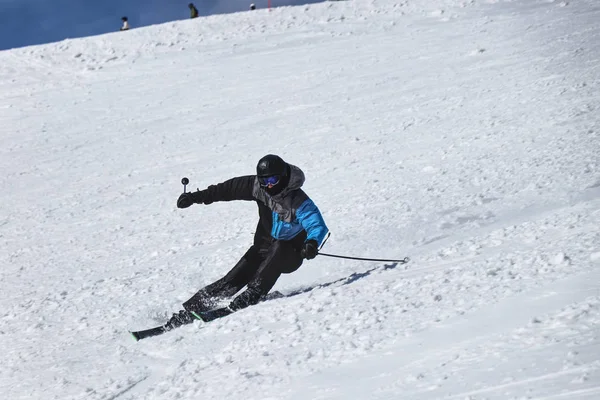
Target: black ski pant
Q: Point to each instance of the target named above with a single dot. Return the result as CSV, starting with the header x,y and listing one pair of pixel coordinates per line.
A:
x,y
259,269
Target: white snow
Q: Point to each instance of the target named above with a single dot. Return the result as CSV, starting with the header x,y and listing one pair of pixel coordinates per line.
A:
x,y
464,134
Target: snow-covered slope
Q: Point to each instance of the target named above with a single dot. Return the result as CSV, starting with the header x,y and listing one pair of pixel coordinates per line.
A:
x,y
464,135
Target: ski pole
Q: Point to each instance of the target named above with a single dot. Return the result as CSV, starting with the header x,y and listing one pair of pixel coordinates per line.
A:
x,y
402,261
184,182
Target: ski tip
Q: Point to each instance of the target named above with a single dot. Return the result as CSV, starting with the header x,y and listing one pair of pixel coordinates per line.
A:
x,y
135,337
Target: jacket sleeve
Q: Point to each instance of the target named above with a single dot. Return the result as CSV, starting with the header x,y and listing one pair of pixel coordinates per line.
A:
x,y
312,221
239,188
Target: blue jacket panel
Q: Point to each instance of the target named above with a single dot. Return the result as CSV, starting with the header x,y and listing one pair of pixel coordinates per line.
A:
x,y
308,217
311,219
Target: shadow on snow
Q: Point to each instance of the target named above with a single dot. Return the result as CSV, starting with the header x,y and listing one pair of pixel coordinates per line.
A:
x,y
340,282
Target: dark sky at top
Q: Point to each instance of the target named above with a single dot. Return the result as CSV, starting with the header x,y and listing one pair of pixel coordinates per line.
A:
x,y
29,22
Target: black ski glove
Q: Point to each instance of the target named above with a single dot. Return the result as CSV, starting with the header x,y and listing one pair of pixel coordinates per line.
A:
x,y
310,250
189,198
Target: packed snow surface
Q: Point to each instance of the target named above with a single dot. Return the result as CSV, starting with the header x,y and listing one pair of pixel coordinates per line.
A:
x,y
464,135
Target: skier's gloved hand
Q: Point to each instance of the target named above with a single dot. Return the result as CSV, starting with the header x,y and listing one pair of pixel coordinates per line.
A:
x,y
310,250
189,198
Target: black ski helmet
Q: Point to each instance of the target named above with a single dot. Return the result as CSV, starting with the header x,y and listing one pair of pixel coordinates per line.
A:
x,y
271,165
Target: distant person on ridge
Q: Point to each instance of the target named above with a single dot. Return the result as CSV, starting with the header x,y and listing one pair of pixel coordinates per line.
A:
x,y
193,10
125,26
252,6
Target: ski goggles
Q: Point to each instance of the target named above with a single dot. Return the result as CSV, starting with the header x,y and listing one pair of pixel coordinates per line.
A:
x,y
269,181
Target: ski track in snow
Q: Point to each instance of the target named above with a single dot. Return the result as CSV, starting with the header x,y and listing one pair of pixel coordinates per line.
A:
x,y
462,134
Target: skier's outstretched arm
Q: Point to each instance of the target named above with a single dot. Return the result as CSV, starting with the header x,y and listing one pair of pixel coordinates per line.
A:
x,y
239,188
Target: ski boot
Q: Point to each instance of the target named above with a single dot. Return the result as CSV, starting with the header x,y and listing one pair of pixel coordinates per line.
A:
x,y
183,317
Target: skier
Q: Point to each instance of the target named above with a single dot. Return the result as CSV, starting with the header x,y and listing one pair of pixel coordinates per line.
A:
x,y
290,229
125,26
193,10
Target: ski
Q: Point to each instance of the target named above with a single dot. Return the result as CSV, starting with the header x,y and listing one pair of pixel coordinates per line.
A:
x,y
211,315
139,335
205,316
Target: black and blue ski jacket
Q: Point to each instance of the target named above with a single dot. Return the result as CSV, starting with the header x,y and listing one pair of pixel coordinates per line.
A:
x,y
289,215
